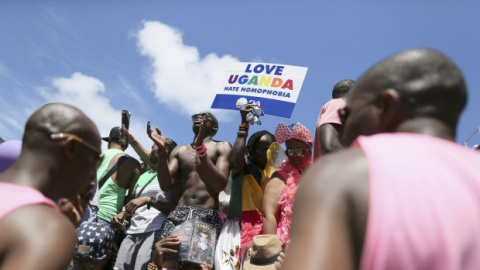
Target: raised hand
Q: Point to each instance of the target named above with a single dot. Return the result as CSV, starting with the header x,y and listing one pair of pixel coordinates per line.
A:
x,y
157,137
201,132
244,111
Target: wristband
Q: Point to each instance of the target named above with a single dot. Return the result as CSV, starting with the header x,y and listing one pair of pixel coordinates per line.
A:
x,y
242,134
152,201
201,147
244,127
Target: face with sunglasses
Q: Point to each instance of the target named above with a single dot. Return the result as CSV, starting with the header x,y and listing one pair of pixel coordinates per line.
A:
x,y
299,153
88,156
212,124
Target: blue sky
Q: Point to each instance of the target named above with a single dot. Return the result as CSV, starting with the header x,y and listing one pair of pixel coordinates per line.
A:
x,y
162,59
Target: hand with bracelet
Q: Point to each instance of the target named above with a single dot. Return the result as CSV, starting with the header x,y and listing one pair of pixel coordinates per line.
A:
x,y
198,142
136,203
244,126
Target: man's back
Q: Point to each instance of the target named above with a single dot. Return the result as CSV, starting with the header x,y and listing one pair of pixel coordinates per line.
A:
x,y
421,196
424,203
112,193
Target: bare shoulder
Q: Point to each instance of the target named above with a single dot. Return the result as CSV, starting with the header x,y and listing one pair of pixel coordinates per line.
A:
x,y
343,173
222,145
329,214
127,159
41,232
131,160
180,149
222,148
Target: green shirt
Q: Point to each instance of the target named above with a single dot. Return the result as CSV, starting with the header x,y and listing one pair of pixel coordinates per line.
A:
x,y
111,196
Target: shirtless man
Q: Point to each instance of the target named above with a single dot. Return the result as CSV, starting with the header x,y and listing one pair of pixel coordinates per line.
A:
x,y
202,168
59,158
404,197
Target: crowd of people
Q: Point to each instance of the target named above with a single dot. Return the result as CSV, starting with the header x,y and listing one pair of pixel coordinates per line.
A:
x,y
381,185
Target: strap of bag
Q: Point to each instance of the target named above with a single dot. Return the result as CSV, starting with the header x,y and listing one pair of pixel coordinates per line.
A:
x,y
146,184
115,167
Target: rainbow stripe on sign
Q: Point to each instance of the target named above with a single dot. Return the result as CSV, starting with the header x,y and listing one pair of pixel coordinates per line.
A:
x,y
273,87
269,106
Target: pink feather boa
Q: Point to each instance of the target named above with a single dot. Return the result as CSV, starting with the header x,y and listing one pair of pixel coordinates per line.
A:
x,y
287,199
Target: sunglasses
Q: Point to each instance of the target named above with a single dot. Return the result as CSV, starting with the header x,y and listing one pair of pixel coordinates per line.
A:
x,y
201,116
297,151
62,136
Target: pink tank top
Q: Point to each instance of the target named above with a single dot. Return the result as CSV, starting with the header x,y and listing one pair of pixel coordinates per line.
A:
x,y
14,196
424,210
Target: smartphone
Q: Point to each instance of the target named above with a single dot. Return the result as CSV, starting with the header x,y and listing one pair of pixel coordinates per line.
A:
x,y
125,122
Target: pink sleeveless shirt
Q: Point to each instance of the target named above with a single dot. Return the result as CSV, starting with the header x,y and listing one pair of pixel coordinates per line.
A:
x,y
14,196
424,210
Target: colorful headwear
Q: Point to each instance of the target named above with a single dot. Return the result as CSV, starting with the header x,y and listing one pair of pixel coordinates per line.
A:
x,y
95,240
297,131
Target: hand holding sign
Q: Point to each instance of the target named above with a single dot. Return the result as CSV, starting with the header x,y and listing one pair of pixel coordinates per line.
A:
x,y
276,87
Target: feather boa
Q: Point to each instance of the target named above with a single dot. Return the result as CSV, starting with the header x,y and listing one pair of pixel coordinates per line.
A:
x,y
286,201
252,222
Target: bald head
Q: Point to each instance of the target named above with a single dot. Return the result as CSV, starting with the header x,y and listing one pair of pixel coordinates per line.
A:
x,y
429,77
60,152
419,90
55,118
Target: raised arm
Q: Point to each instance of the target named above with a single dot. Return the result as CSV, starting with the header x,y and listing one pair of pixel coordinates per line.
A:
x,y
166,170
237,156
271,198
215,176
141,151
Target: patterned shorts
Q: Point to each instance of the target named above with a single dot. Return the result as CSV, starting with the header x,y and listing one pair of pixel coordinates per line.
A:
x,y
186,212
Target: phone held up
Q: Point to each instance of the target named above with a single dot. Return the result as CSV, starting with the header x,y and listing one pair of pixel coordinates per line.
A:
x,y
126,123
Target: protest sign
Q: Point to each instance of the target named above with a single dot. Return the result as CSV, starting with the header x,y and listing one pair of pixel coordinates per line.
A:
x,y
273,87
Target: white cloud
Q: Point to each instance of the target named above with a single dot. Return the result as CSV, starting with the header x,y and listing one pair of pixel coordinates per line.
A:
x,y
84,92
87,94
181,78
